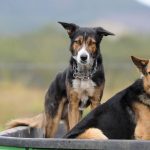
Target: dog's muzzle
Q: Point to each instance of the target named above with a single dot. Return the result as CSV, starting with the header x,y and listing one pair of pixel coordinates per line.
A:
x,y
83,57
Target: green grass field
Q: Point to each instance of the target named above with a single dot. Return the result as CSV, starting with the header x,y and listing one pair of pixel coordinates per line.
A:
x,y
29,62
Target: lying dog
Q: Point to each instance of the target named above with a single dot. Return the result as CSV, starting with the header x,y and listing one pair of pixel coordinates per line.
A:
x,y
124,116
79,86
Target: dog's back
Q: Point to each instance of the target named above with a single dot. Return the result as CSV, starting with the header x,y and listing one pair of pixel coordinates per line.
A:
x,y
124,116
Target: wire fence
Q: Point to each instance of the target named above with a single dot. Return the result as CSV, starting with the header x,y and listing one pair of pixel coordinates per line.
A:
x,y
54,66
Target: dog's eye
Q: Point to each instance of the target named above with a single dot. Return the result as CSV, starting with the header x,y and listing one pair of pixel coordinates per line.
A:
x,y
147,73
92,43
77,42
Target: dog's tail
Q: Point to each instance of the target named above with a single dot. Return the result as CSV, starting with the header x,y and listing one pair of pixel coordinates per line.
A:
x,y
37,122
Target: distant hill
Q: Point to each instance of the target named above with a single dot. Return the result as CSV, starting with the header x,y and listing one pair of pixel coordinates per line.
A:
x,y
19,16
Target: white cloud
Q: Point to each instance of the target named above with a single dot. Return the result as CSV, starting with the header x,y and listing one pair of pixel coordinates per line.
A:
x,y
145,2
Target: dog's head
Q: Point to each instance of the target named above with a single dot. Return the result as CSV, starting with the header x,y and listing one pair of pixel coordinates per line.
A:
x,y
144,67
84,42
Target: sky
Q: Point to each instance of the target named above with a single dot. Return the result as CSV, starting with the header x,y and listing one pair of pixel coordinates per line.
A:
x,y
145,2
20,16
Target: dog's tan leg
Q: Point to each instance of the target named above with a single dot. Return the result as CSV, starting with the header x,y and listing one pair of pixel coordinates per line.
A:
x,y
65,116
142,130
92,133
66,123
142,113
97,96
52,123
74,114
139,132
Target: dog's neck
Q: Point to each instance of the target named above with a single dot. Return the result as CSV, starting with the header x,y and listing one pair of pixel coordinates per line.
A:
x,y
84,68
83,72
146,84
144,91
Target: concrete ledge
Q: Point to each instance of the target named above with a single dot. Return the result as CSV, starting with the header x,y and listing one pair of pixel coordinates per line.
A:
x,y
26,137
75,144
23,132
28,132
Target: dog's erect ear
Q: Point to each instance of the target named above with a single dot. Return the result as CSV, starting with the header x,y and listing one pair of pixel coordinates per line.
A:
x,y
70,27
103,32
140,63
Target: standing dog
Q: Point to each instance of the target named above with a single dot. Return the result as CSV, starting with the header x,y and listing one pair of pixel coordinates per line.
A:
x,y
124,116
79,86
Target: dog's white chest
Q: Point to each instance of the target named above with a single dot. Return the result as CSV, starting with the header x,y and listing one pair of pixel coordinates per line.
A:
x,y
84,87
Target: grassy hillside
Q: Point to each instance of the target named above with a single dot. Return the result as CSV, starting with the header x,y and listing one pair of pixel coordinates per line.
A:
x,y
38,56
28,64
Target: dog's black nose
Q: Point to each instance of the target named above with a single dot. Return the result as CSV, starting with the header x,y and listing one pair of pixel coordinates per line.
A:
x,y
83,57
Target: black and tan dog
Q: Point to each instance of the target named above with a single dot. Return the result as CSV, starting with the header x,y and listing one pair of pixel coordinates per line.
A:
x,y
124,116
79,86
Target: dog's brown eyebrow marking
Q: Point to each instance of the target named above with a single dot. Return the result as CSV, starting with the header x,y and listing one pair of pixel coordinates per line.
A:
x,y
77,43
80,37
91,44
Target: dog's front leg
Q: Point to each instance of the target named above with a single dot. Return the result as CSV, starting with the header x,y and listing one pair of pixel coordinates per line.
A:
x,y
97,96
95,101
52,122
74,114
